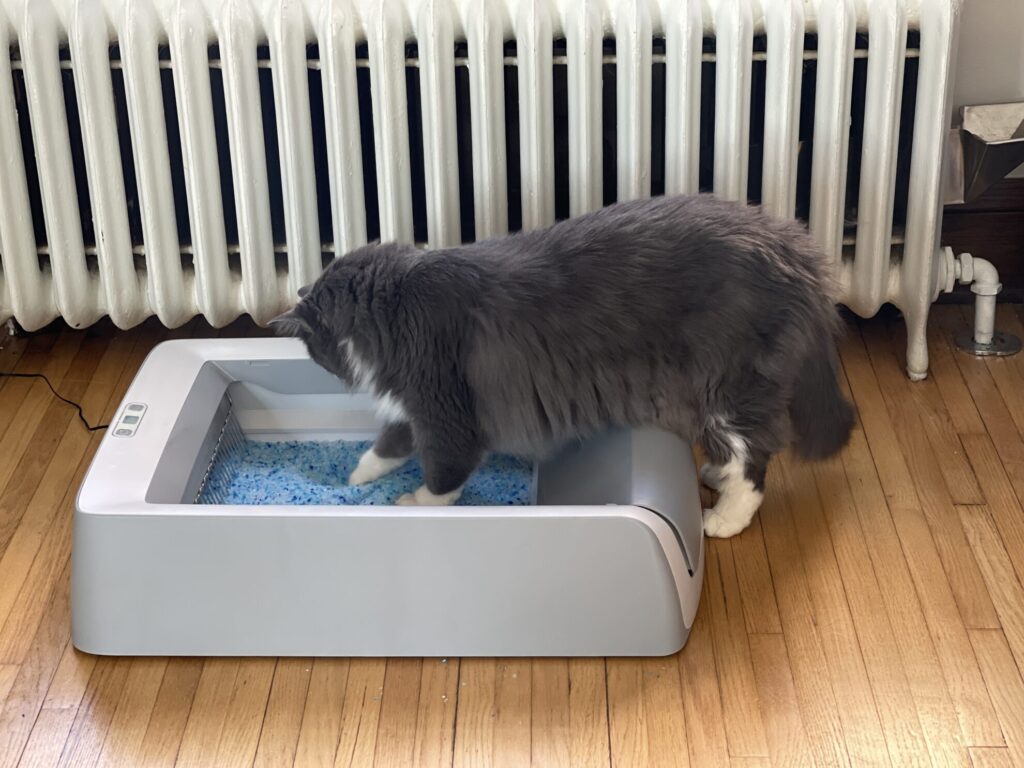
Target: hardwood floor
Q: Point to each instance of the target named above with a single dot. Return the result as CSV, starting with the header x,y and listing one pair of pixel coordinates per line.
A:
x,y
872,615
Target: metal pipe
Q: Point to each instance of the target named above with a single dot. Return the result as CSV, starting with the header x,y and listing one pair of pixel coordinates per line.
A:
x,y
983,339
986,287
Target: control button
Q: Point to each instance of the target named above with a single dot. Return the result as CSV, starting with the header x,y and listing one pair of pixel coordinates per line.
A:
x,y
130,420
136,407
124,432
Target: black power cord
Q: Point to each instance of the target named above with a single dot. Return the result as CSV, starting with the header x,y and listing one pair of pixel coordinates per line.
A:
x,y
72,403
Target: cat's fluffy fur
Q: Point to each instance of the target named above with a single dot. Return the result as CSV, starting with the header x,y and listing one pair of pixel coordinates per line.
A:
x,y
709,319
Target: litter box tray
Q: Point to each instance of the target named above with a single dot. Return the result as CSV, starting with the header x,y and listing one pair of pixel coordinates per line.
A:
x,y
604,559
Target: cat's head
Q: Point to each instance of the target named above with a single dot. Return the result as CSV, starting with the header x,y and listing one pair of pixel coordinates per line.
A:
x,y
329,312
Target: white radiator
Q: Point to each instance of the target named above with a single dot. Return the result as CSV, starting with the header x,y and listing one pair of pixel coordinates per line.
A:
x,y
85,115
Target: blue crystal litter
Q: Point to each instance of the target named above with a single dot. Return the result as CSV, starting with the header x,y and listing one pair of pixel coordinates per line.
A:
x,y
312,472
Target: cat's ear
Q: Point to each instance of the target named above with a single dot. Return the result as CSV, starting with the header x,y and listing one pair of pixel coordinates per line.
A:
x,y
291,323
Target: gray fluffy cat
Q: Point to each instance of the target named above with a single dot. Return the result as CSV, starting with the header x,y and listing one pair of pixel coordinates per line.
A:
x,y
706,318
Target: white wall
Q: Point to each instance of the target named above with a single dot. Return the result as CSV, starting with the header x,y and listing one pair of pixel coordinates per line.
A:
x,y
990,65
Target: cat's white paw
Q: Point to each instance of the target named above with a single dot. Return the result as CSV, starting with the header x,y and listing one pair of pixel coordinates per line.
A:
x,y
711,476
719,527
422,497
373,467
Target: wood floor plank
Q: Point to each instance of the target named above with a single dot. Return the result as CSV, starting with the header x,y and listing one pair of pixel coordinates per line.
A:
x,y
945,322
946,373
71,678
549,712
474,720
990,757
999,575
280,733
855,703
45,427
883,664
1004,681
949,635
999,423
47,740
955,557
7,674
243,720
784,727
67,689
588,714
321,716
170,713
131,718
810,669
1002,502
364,689
702,701
663,712
741,708
755,580
206,715
95,713
435,718
11,350
1009,381
512,712
25,699
396,726
960,481
932,699
626,720
24,400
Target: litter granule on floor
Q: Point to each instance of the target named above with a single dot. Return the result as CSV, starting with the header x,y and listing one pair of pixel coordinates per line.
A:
x,y
309,472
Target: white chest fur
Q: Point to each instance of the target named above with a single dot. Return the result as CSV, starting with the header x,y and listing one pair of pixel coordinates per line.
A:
x,y
389,408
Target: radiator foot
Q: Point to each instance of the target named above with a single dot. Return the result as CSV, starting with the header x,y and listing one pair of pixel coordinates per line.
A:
x,y
983,340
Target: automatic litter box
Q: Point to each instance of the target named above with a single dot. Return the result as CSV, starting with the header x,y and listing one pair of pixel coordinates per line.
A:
x,y
606,560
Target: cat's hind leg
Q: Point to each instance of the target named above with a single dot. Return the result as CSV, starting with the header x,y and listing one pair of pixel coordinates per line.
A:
x,y
391,450
712,475
738,474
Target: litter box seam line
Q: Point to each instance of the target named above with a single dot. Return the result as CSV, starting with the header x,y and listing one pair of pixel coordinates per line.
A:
x,y
216,449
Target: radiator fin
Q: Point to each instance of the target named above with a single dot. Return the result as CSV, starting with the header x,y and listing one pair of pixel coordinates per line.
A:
x,y
337,46
76,290
26,291
836,28
888,34
435,27
287,35
190,34
584,36
386,34
734,32
633,43
784,23
683,46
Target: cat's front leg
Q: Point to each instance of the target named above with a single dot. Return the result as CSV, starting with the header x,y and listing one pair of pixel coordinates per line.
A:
x,y
391,450
448,461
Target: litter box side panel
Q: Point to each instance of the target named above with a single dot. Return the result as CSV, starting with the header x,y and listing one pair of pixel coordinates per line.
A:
x,y
380,585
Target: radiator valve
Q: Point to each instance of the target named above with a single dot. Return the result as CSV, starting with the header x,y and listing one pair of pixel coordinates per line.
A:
x,y
983,340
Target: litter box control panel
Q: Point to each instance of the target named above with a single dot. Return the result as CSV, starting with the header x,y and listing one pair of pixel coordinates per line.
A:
x,y
129,420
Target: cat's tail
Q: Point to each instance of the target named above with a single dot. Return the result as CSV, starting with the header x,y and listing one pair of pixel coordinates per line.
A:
x,y
821,416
